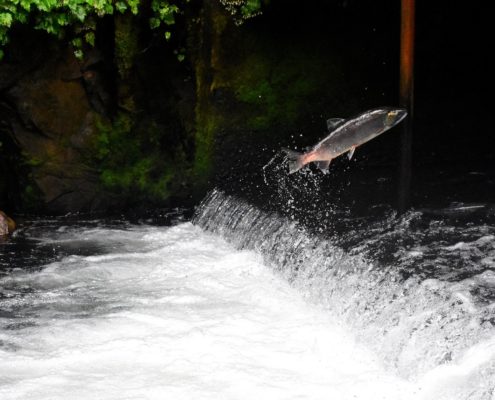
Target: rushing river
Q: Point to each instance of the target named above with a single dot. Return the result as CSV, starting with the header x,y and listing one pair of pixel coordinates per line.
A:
x,y
241,303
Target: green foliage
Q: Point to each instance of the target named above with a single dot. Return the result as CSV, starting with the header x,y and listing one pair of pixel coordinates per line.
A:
x,y
57,16
164,12
76,17
242,10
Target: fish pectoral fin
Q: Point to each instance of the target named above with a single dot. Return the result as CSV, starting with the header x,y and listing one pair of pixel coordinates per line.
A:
x,y
323,165
334,123
351,152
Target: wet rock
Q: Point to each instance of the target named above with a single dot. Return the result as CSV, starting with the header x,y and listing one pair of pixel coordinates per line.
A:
x,y
7,224
52,120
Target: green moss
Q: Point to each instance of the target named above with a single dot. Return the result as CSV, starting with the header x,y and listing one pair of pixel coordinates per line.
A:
x,y
126,43
32,161
277,91
30,196
131,161
205,146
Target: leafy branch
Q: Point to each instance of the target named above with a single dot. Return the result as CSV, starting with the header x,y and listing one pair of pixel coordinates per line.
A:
x,y
59,17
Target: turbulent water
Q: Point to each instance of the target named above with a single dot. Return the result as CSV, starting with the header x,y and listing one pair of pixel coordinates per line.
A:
x,y
244,303
417,290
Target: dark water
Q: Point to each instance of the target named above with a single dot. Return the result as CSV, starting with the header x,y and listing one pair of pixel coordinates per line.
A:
x,y
39,241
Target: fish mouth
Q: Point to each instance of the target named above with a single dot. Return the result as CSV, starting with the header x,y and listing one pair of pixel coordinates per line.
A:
x,y
395,116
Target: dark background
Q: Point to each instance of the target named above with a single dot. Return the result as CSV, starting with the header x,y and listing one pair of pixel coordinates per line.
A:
x,y
453,156
453,143
452,73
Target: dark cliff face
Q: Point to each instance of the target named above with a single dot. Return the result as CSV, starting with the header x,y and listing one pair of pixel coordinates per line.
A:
x,y
131,126
49,119
104,133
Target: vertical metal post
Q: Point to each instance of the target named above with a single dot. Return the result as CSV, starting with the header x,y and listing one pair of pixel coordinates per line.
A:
x,y
406,101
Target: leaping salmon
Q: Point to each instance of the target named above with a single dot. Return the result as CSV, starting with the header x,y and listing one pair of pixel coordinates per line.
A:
x,y
346,136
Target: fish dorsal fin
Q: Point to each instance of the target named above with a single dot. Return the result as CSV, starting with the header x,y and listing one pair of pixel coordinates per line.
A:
x,y
334,123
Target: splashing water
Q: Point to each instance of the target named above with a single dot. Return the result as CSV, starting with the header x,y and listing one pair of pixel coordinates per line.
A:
x,y
288,189
425,327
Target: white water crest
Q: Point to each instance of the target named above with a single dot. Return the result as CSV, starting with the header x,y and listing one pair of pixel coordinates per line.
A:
x,y
174,313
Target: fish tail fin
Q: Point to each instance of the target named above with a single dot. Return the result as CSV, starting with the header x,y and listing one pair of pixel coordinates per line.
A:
x,y
296,160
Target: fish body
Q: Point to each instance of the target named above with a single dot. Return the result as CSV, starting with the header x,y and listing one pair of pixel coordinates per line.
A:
x,y
345,136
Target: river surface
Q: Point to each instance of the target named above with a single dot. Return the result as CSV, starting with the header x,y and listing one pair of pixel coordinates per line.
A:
x,y
244,303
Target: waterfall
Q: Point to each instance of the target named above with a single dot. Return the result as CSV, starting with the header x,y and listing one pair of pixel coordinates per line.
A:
x,y
416,323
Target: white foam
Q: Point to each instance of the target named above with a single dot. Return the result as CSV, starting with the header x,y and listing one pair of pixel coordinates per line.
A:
x,y
457,246
188,317
462,379
415,253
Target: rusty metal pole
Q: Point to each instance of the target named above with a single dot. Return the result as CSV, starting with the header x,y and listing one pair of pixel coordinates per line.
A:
x,y
406,101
